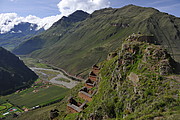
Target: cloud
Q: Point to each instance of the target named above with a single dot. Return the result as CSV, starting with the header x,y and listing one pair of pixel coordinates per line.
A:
x,y
67,7
8,20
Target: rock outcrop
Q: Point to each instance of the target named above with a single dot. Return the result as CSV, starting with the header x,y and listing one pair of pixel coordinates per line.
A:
x,y
135,83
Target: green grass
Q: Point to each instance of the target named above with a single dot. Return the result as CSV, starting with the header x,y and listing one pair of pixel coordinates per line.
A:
x,y
30,99
32,62
2,107
2,101
117,97
63,79
8,105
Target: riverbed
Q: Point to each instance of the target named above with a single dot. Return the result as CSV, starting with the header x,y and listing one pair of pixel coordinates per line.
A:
x,y
70,84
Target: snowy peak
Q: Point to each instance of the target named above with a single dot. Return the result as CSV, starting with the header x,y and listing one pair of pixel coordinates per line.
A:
x,y
25,28
18,34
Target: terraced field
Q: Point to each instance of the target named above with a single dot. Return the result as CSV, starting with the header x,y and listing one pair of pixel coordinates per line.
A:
x,y
7,108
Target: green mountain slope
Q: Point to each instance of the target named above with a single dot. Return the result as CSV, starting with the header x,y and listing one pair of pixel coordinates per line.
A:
x,y
52,35
78,47
13,73
138,83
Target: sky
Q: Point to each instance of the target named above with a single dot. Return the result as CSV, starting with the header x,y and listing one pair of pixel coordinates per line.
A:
x,y
46,12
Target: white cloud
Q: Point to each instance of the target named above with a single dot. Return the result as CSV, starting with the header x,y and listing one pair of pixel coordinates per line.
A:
x,y
8,20
66,7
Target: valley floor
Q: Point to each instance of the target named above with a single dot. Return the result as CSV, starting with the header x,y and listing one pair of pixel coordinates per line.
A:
x,y
57,77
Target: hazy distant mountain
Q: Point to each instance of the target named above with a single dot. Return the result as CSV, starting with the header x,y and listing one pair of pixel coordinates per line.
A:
x,y
14,74
18,34
75,46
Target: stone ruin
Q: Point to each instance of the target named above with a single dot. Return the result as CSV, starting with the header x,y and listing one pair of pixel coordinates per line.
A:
x,y
85,92
73,106
89,83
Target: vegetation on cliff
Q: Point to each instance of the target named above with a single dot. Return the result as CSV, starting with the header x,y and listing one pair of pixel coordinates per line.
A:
x,y
140,82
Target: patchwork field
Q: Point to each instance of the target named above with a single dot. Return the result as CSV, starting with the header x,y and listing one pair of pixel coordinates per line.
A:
x,y
7,108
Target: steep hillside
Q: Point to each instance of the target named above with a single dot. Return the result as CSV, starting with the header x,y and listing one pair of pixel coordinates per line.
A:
x,y
137,81
85,43
13,73
18,34
51,36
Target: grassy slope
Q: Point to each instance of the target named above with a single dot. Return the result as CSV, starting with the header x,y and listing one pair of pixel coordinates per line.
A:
x,y
14,74
44,113
77,48
31,99
157,95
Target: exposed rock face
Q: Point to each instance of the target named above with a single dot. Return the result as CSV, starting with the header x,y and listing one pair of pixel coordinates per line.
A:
x,y
141,38
164,67
134,78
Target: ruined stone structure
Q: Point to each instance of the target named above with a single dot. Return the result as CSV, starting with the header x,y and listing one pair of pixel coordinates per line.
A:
x,y
92,76
73,106
95,69
89,83
85,92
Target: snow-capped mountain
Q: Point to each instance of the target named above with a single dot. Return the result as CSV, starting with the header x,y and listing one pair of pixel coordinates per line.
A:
x,y
18,34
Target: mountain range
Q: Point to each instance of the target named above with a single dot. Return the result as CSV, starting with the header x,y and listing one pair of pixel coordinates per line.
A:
x,y
138,81
20,33
78,41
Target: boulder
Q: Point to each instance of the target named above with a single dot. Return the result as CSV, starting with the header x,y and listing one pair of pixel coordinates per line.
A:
x,y
134,78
